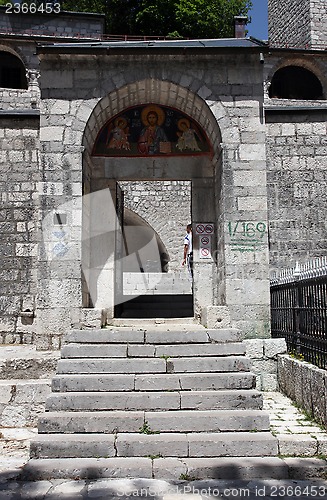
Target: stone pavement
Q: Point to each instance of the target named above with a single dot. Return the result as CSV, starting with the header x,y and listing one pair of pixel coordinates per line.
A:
x,y
298,438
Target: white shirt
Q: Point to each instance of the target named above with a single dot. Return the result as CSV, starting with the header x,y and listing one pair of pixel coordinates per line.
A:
x,y
188,242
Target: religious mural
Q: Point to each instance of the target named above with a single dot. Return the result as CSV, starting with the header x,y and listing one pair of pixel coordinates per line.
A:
x,y
151,130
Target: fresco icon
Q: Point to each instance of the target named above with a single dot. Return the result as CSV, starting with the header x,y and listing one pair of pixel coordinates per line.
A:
x,y
151,130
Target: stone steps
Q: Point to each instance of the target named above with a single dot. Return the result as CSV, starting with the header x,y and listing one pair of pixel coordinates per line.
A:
x,y
160,335
153,382
123,393
200,400
151,350
246,468
158,421
195,445
152,365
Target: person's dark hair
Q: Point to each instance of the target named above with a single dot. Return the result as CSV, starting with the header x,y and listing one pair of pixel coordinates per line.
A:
x,y
189,226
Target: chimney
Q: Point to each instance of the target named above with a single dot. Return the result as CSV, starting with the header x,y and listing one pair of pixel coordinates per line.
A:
x,y
239,26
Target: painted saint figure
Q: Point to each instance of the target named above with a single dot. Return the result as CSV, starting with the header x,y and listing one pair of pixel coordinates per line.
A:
x,y
187,138
153,139
118,137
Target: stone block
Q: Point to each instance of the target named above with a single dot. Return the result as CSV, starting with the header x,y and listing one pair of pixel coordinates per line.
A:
x,y
159,445
208,421
273,347
221,400
207,364
269,382
306,468
291,445
169,468
259,366
113,401
318,394
94,351
112,366
215,317
87,468
73,446
6,392
252,203
234,444
254,348
108,422
227,469
306,380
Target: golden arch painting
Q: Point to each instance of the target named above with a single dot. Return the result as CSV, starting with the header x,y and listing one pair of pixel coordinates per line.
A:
x,y
151,130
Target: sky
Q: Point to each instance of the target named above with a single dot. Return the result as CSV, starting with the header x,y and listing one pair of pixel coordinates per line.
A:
x,y
258,28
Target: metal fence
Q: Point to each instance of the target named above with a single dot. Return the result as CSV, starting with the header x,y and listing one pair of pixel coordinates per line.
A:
x,y
299,310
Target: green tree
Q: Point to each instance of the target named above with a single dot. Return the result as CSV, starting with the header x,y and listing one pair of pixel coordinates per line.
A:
x,y
184,18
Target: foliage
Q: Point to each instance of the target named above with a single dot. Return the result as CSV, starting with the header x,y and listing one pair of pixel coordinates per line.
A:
x,y
172,18
146,429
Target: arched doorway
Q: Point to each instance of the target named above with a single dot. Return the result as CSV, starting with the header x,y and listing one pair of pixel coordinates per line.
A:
x,y
119,148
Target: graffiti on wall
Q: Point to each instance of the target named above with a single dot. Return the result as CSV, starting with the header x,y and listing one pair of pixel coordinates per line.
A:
x,y
247,236
151,130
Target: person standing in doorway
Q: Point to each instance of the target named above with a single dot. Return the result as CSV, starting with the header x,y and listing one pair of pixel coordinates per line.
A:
x,y
188,251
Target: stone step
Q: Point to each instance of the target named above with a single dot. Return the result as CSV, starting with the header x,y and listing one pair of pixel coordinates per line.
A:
x,y
160,335
24,362
201,400
151,382
151,350
170,421
157,312
233,444
152,365
224,468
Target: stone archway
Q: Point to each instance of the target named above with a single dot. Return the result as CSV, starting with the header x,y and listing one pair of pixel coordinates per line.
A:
x,y
101,175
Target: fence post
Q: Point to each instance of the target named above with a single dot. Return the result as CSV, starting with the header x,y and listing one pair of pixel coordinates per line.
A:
x,y
296,276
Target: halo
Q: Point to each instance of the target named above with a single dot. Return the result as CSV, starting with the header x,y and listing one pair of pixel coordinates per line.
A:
x,y
159,112
120,119
183,121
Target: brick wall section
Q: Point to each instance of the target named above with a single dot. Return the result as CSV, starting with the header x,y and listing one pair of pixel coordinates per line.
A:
x,y
166,206
289,23
18,224
59,25
297,23
297,187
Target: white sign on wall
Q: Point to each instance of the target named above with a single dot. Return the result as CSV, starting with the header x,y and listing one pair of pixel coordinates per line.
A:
x,y
204,231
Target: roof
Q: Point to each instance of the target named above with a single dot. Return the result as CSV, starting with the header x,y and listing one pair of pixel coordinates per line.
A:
x,y
153,45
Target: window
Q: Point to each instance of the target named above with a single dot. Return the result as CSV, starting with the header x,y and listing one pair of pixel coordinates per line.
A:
x,y
12,72
295,82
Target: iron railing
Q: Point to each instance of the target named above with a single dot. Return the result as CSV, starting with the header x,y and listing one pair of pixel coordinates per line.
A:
x,y
299,310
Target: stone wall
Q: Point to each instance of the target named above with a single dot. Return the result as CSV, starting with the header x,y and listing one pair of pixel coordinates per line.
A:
x,y
18,225
297,23
59,25
319,23
297,186
305,384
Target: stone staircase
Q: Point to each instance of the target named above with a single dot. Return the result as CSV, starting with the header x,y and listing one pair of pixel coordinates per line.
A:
x,y
154,403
